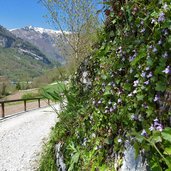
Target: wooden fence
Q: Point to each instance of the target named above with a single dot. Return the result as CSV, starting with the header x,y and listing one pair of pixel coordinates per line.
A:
x,y
25,101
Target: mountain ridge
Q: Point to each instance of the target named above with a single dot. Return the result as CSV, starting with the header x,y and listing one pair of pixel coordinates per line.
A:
x,y
19,58
51,42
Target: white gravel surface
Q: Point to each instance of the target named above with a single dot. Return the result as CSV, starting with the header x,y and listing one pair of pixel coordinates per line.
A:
x,y
22,138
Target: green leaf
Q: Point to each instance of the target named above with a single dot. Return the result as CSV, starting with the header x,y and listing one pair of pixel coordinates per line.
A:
x,y
140,97
160,86
136,147
166,136
167,150
156,138
141,54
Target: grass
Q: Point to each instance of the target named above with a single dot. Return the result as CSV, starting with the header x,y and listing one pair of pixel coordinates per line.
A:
x,y
47,162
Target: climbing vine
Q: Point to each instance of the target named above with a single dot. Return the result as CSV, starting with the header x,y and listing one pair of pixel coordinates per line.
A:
x,y
128,100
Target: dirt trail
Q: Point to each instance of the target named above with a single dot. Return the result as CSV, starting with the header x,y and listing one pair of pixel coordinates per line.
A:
x,y
22,138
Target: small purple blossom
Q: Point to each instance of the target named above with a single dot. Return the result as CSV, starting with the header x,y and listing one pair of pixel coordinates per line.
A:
x,y
156,98
119,140
135,91
151,128
145,106
106,111
134,117
119,100
154,49
111,109
159,128
156,120
130,95
99,102
144,133
109,102
114,106
146,82
143,74
159,42
112,84
136,83
147,68
153,21
143,30
149,75
165,6
165,55
161,17
167,70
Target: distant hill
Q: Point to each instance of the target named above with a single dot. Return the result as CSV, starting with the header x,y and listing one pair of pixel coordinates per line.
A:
x,y
20,59
50,42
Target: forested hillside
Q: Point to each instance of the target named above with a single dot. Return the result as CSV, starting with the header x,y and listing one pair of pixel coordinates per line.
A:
x,y
20,59
120,95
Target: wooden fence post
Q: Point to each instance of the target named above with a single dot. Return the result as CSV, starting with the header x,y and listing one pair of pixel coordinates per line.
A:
x,y
39,103
3,110
25,106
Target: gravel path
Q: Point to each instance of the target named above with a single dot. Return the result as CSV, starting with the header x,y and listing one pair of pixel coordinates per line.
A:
x,y
22,138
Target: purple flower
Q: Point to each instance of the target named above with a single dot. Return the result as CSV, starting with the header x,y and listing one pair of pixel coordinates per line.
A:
x,y
119,100
109,102
131,70
147,68
136,83
111,109
130,95
135,91
153,21
165,55
159,42
156,120
144,133
145,106
143,30
149,75
161,17
151,128
119,140
103,84
106,111
165,6
134,117
143,74
159,127
146,82
167,70
156,98
114,106
112,84
99,102
154,49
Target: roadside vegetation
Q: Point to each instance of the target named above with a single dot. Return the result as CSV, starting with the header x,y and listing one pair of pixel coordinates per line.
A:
x,y
128,97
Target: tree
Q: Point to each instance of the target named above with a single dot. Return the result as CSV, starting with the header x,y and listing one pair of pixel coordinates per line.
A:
x,y
78,22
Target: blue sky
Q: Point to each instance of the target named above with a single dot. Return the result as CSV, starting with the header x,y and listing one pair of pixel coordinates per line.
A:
x,y
21,13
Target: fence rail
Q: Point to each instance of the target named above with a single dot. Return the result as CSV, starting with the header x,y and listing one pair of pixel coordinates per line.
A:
x,y
3,102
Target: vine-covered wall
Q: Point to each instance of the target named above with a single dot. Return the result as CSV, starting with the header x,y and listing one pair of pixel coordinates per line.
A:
x,y
127,98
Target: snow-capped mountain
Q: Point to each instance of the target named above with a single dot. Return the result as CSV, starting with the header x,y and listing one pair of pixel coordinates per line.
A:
x,y
50,42
19,58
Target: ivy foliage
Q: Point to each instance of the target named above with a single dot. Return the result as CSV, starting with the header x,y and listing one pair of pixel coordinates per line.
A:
x,y
129,99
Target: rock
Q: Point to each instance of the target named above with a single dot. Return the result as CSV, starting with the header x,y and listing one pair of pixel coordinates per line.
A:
x,y
130,163
59,157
